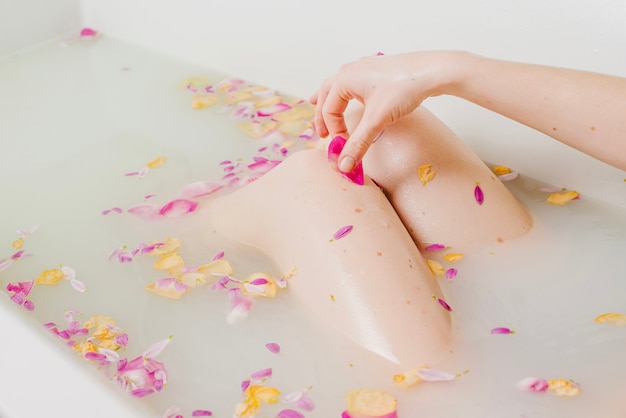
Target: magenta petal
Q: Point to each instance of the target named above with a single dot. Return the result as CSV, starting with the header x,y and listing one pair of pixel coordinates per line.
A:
x,y
435,247
502,330
273,347
245,385
343,231
178,207
478,195
289,413
140,393
29,305
444,304
88,33
201,413
451,273
334,149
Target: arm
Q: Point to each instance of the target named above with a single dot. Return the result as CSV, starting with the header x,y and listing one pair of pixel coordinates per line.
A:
x,y
581,109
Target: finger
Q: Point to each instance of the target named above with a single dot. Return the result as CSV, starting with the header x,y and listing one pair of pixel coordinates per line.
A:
x,y
313,98
333,111
368,129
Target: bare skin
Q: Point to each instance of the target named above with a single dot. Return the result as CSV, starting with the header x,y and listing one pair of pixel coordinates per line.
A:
x,y
374,285
579,108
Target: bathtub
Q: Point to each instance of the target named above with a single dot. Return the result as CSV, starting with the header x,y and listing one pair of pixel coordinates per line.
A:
x,y
133,75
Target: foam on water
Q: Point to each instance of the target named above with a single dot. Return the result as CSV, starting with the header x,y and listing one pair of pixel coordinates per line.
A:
x,y
74,119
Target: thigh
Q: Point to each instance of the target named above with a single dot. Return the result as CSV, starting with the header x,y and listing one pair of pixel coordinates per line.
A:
x,y
444,210
371,284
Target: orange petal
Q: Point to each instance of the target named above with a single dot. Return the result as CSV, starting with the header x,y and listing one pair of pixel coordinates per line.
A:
x,y
562,387
408,378
50,277
436,268
561,198
173,263
157,162
613,318
453,257
370,402
425,174
501,170
18,243
200,102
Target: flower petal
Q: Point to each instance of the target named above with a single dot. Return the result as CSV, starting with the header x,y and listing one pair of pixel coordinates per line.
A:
x,y
157,348
342,232
478,194
289,413
432,375
178,207
533,384
502,330
612,318
273,347
334,149
201,413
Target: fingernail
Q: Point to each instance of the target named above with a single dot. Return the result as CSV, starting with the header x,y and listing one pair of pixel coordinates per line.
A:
x,y
347,164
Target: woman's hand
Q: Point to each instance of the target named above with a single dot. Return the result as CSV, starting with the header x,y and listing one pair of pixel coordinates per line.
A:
x,y
389,87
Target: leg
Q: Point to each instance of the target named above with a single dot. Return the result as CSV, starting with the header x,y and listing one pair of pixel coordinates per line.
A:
x,y
373,284
443,210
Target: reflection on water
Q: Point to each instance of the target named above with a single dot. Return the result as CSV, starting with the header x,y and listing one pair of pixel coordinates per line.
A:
x,y
82,116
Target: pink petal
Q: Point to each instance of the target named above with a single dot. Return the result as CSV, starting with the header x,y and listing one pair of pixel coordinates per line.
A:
x,y
156,349
164,282
431,375
146,212
29,305
259,282
90,355
78,285
141,392
305,403
289,413
199,188
88,33
502,330
444,304
261,374
478,195
435,247
273,347
334,149
509,176
245,385
5,263
201,413
342,232
263,167
17,255
218,256
178,207
241,305
533,384
451,273
115,209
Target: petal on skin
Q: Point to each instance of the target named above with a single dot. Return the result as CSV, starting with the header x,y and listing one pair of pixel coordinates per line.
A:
x,y
435,247
342,232
177,208
443,303
435,267
273,347
334,149
425,174
612,318
478,194
502,330
374,403
533,384
432,375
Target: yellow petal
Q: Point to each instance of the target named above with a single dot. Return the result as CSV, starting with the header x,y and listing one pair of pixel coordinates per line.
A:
x,y
299,113
436,268
50,277
561,198
172,262
408,378
18,243
269,101
562,387
157,162
200,102
84,347
170,245
217,267
263,394
246,409
370,402
500,170
194,279
425,174
453,257
613,318
98,321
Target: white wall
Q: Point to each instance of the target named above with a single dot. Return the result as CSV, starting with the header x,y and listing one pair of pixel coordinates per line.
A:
x,y
24,23
292,45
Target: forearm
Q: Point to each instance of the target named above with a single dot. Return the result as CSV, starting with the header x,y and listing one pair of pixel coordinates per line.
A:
x,y
581,109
